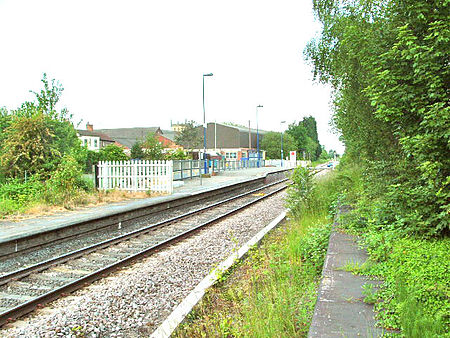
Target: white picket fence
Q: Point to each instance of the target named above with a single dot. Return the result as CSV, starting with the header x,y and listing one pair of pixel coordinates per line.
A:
x,y
136,175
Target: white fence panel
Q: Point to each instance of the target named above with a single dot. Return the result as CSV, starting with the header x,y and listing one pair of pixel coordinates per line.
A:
x,y
137,175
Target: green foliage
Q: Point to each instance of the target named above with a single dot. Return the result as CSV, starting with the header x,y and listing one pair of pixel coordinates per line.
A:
x,y
63,185
416,277
40,155
306,138
35,136
388,65
300,193
20,191
414,295
324,155
271,143
414,321
111,152
176,154
272,293
86,158
8,207
5,122
311,248
136,151
309,195
153,149
28,146
369,293
190,137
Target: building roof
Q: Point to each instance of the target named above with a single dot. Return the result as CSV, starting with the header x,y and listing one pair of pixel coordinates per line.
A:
x,y
129,136
170,134
102,136
245,129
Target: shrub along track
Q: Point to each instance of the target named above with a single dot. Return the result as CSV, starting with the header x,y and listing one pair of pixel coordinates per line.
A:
x,y
24,290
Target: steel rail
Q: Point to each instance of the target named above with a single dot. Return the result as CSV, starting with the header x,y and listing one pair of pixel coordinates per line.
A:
x,y
108,242
9,248
37,302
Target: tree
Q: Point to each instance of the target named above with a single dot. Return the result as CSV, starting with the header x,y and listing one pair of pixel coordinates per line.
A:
x,y
306,137
112,152
271,143
189,137
388,64
5,122
324,155
153,149
28,146
332,154
136,151
37,148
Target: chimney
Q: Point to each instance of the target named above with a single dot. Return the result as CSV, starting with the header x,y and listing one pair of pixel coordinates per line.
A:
x,y
89,127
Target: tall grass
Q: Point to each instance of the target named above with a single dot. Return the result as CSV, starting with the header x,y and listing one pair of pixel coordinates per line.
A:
x,y
273,292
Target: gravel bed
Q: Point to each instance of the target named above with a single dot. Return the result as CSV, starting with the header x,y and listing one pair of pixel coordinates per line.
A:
x,y
135,300
56,249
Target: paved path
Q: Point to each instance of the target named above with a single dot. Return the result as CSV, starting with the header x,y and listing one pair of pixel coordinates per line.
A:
x,y
340,310
16,229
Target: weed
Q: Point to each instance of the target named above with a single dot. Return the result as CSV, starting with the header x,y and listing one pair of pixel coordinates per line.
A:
x,y
352,266
370,294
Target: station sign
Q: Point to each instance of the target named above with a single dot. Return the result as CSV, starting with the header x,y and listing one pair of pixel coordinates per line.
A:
x,y
293,156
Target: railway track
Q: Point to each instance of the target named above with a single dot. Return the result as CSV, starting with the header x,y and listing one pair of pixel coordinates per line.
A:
x,y
24,290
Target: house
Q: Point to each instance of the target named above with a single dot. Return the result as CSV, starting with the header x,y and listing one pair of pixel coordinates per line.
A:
x,y
168,139
127,137
93,140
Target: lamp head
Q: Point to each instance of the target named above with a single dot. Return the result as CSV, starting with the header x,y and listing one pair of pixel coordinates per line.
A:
x,y
209,74
259,106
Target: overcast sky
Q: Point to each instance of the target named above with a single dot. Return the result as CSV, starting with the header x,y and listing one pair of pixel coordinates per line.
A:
x,y
140,63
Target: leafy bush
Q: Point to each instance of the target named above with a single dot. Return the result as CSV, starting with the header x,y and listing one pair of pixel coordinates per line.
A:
x,y
311,195
8,206
176,154
299,194
387,62
416,275
64,182
21,192
311,248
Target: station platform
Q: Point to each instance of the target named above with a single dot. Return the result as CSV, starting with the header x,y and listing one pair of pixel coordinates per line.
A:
x,y
15,230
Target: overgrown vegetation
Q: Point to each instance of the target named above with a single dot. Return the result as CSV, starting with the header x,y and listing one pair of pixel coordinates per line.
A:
x,y
41,158
273,292
414,296
388,64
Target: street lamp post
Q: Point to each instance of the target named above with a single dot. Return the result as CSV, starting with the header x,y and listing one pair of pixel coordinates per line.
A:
x,y
281,125
204,125
257,135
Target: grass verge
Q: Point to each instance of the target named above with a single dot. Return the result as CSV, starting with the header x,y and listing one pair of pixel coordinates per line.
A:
x,y
273,292
270,294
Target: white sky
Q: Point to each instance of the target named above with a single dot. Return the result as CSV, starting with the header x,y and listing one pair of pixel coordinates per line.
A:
x,y
140,63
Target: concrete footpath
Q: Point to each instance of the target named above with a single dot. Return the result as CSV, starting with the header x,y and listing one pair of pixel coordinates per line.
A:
x,y
340,309
17,229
